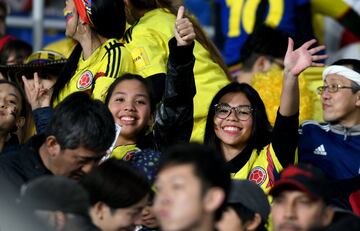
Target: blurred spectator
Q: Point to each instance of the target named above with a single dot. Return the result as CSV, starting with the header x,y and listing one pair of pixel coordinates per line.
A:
x,y
12,216
68,148
118,193
300,199
15,52
58,202
247,209
238,19
148,221
191,188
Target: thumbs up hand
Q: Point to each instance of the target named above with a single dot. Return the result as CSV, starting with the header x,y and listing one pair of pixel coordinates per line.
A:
x,y
184,29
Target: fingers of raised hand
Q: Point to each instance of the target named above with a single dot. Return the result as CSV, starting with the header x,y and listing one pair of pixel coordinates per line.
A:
x,y
316,49
309,43
180,13
184,26
319,57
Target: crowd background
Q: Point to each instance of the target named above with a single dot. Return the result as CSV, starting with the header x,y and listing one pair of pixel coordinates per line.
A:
x,y
148,115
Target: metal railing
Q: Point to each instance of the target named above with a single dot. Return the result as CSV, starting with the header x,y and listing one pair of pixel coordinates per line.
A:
x,y
37,22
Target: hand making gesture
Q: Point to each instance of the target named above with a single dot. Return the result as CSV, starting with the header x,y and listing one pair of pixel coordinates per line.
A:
x,y
184,30
38,91
298,60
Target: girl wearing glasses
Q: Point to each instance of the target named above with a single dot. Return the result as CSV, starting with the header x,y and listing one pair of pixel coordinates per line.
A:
x,y
237,124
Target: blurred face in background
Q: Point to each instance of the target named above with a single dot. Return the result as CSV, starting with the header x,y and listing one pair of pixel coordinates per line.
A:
x,y
296,210
119,219
179,202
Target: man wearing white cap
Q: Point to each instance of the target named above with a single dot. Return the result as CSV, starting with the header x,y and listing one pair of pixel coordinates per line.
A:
x,y
334,146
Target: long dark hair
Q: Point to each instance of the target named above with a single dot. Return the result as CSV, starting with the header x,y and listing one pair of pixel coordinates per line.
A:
x,y
200,34
108,17
261,129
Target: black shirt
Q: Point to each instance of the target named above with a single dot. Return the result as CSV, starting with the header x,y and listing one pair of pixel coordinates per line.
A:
x,y
23,164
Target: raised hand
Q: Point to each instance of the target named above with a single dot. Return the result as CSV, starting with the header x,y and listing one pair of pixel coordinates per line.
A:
x,y
184,30
38,92
298,60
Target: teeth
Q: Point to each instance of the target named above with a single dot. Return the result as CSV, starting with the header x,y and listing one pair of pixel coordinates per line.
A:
x,y
128,118
231,129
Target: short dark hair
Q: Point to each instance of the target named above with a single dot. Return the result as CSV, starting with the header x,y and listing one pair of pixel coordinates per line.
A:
x,y
115,183
261,130
264,41
353,64
208,166
20,48
80,121
245,214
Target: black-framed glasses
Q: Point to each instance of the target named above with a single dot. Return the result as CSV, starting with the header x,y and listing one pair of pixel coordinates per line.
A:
x,y
332,88
242,112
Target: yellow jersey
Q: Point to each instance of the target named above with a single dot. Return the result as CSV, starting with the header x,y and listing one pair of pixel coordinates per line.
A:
x,y
96,73
261,168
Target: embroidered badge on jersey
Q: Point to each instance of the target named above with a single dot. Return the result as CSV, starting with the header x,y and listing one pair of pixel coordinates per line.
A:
x,y
129,155
85,80
258,175
140,58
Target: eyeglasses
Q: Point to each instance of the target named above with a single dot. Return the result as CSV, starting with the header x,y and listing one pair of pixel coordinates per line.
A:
x,y
242,112
331,88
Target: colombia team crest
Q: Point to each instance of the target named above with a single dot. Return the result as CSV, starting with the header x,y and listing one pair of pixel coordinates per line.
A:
x,y
258,175
85,80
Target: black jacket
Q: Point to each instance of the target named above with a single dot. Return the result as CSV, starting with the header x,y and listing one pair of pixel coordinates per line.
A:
x,y
174,117
23,164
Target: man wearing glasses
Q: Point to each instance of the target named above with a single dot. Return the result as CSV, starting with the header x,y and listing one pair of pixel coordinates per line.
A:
x,y
334,146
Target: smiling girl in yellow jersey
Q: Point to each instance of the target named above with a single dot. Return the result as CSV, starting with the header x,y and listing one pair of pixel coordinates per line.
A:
x,y
147,40
238,127
99,57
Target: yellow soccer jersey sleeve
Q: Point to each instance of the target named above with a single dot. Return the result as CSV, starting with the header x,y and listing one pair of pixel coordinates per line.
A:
x,y
148,41
96,73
